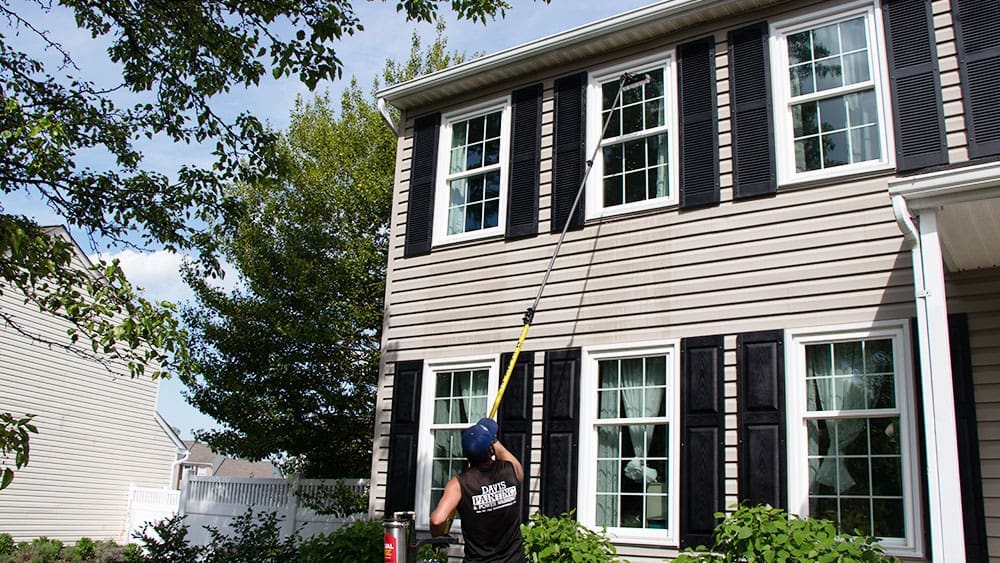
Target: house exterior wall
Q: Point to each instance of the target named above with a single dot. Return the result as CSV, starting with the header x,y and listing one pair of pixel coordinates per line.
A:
x,y
824,254
96,435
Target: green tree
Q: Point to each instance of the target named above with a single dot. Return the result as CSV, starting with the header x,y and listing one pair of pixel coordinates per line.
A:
x,y
177,57
289,360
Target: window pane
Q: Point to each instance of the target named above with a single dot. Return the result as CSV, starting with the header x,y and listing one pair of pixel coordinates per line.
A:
x,y
829,74
805,120
456,220
833,114
473,157
607,510
635,186
885,436
614,162
457,160
492,155
807,154
656,182
491,214
856,68
493,125
632,119
631,511
847,358
607,404
801,78
855,515
799,47
492,185
458,134
888,518
614,191
852,35
861,108
654,114
607,443
476,129
654,88
635,155
608,92
826,41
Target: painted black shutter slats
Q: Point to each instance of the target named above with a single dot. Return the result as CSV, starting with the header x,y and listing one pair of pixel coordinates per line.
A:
x,y
403,433
560,431
514,417
749,85
699,128
423,167
976,25
970,473
918,116
569,156
525,156
761,415
702,438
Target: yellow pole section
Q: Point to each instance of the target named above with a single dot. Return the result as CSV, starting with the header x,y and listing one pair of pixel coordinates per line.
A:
x,y
510,370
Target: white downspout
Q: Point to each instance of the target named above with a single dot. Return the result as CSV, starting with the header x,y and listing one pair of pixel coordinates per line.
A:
x,y
937,389
383,109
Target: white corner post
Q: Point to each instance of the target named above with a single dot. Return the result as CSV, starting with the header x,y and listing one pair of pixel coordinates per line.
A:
x,y
947,533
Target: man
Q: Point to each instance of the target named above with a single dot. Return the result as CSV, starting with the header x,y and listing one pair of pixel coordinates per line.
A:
x,y
487,496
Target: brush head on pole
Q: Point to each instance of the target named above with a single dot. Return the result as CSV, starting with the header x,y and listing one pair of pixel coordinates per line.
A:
x,y
630,81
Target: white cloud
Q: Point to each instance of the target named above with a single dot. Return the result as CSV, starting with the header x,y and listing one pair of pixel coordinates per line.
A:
x,y
158,274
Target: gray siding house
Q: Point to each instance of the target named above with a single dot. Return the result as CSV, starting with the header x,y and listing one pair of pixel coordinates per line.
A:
x,y
782,284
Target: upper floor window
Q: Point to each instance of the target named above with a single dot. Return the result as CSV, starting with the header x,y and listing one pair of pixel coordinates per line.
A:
x,y
852,445
471,190
635,167
629,443
830,94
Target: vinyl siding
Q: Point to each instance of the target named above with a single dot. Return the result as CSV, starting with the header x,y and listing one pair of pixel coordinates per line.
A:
x,y
96,435
976,293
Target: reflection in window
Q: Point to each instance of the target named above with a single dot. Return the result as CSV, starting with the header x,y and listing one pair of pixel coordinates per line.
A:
x,y
635,143
459,398
853,426
474,174
835,120
632,443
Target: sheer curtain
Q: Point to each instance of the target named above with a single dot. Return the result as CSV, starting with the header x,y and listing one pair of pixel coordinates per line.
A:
x,y
639,402
849,394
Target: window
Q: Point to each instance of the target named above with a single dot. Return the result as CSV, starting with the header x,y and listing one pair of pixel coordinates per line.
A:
x,y
629,443
471,189
830,107
853,458
455,394
634,168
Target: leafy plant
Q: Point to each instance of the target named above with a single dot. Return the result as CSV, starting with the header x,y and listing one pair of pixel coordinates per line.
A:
x,y
338,499
765,533
14,439
254,540
84,550
7,544
562,538
166,540
360,542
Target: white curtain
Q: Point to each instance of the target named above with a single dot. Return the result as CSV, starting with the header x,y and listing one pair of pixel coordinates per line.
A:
x,y
639,402
849,394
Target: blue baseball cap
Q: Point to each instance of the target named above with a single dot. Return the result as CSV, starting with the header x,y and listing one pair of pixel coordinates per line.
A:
x,y
477,440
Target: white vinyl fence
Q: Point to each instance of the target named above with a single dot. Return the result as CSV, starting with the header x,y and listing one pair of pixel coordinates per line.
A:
x,y
148,505
217,501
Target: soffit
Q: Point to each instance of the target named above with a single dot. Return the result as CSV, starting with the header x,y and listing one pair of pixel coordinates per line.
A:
x,y
566,49
967,204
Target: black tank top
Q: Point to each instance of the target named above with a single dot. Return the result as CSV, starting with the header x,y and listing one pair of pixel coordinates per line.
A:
x,y
491,514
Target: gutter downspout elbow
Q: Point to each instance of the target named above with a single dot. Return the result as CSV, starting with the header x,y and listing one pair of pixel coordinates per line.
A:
x,y
902,212
383,109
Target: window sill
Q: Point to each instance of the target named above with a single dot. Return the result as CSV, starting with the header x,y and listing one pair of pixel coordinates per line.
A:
x,y
830,179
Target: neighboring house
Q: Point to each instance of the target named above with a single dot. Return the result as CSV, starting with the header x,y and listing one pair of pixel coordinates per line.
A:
x,y
98,432
782,285
203,462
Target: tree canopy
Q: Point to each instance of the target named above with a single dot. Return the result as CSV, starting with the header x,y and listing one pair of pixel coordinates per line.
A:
x,y
288,362
177,57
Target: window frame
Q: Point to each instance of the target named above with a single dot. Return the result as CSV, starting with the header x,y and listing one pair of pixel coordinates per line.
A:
x,y
666,60
782,99
797,414
440,234
587,472
425,444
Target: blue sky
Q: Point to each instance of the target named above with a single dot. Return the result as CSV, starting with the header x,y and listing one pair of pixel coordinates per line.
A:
x,y
386,36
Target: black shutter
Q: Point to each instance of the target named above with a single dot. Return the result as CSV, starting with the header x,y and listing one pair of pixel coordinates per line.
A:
x,y
423,167
514,417
750,95
560,431
525,155
970,473
976,25
762,457
569,157
404,428
702,438
699,126
918,116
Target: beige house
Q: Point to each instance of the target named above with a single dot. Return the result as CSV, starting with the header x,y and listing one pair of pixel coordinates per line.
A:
x,y
98,433
782,283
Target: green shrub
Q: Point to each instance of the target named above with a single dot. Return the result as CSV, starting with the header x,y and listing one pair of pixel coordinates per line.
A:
x,y
84,550
359,542
130,553
166,540
764,533
562,538
39,550
6,544
254,540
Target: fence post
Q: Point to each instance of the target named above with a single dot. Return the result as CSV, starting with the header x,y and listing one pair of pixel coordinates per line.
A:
x,y
291,508
185,492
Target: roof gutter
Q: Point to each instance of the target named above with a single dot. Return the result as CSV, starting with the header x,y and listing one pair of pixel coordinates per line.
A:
x,y
384,110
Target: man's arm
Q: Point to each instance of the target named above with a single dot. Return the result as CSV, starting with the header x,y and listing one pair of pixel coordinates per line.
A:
x,y
503,454
445,508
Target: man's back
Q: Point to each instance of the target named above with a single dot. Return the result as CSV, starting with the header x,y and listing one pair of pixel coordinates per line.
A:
x,y
490,510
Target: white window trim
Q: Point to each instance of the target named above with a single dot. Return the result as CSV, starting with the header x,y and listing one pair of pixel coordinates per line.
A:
x,y
797,440
594,208
587,475
425,445
440,226
781,91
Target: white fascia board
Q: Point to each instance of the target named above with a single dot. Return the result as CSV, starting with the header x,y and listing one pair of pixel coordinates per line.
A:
x,y
935,189
552,43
